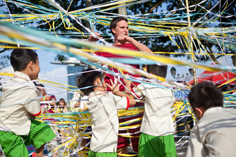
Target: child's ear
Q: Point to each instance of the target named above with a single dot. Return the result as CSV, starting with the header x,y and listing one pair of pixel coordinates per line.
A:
x,y
113,30
30,65
97,81
199,112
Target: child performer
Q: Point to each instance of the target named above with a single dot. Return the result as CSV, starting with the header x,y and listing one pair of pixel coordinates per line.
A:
x,y
214,134
103,107
157,127
18,101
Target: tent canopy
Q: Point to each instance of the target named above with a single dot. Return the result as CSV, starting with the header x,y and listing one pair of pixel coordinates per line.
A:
x,y
215,77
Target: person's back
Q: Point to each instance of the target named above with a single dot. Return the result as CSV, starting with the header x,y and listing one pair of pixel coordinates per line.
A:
x,y
103,107
157,119
19,101
214,134
157,126
14,103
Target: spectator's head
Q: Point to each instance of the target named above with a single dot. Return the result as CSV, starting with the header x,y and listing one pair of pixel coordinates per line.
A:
x,y
53,98
118,26
159,70
26,61
62,102
89,80
41,89
203,96
227,87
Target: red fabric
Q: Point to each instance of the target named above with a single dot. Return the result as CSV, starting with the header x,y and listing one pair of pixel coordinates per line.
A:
x,y
127,103
33,155
135,93
110,55
216,79
124,46
124,141
36,114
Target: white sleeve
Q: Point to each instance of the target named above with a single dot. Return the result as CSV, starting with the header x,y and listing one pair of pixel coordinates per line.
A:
x,y
219,145
83,103
76,96
195,147
32,104
139,91
121,102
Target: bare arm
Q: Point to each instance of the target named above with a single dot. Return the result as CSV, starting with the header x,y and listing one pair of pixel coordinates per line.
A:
x,y
128,87
115,90
76,104
140,46
92,38
44,98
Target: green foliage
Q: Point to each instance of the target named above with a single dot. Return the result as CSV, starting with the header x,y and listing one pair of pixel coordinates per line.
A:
x,y
61,58
157,43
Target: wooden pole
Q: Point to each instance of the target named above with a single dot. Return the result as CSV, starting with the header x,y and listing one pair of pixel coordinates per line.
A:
x,y
190,43
122,10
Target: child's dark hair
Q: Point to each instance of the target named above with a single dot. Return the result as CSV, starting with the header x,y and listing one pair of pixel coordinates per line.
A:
x,y
159,70
115,20
20,58
205,95
87,79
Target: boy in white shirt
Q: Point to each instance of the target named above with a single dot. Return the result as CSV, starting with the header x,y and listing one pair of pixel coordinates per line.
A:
x,y
214,134
157,127
103,107
19,100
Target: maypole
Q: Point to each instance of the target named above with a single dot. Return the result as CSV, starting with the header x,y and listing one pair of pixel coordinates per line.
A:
x,y
190,47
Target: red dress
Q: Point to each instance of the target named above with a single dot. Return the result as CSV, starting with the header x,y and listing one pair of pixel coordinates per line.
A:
x,y
124,141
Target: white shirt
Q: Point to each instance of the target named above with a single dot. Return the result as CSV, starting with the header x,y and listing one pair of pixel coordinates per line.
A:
x,y
75,99
214,135
103,108
19,96
157,118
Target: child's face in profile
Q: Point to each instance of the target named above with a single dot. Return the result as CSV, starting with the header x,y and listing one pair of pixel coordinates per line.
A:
x,y
35,70
42,90
53,103
62,103
102,86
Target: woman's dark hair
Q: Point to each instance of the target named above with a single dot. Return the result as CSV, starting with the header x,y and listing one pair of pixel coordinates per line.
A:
x,y
39,85
115,20
159,70
62,100
205,95
20,58
87,79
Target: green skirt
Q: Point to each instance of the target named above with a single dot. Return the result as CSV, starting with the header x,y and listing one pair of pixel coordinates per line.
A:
x,y
101,154
156,146
15,145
